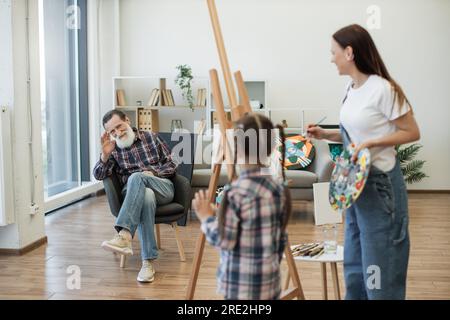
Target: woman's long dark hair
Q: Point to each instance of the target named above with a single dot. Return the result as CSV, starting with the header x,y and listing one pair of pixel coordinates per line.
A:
x,y
257,122
366,56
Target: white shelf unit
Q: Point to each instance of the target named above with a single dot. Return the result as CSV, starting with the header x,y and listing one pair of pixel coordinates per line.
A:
x,y
137,92
298,118
257,93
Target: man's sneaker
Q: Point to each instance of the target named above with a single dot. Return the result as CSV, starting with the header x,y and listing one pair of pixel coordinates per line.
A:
x,y
147,273
118,244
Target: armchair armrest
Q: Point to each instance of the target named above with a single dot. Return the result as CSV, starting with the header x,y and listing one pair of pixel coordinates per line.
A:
x,y
322,165
183,192
183,196
113,190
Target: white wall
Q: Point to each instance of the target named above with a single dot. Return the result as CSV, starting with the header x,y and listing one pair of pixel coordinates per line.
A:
x,y
27,228
287,43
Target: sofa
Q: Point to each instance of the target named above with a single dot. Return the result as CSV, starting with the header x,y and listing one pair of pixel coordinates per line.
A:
x,y
301,181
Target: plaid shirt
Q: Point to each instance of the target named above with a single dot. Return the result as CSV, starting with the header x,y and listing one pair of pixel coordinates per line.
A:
x,y
147,153
253,243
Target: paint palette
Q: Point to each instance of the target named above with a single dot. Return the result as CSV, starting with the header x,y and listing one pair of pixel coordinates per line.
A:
x,y
348,179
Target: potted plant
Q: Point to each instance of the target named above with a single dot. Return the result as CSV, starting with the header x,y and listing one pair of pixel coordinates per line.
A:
x,y
411,168
183,80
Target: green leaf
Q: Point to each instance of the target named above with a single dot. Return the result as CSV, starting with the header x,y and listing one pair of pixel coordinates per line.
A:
x,y
408,153
183,80
415,177
411,168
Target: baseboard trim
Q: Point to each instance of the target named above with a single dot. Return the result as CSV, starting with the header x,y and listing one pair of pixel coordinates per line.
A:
x,y
430,191
22,251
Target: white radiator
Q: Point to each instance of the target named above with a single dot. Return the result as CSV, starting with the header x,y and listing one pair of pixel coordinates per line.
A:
x,y
6,102
6,176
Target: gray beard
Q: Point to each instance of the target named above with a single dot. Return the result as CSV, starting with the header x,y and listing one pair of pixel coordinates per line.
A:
x,y
127,141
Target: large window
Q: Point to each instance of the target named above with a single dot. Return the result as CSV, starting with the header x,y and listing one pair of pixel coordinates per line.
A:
x,y
63,40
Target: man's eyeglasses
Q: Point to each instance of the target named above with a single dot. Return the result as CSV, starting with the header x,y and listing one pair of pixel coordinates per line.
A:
x,y
119,128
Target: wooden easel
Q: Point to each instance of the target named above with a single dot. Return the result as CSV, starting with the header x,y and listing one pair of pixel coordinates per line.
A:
x,y
237,111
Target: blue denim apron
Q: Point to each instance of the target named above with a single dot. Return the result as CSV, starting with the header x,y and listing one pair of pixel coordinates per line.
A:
x,y
376,249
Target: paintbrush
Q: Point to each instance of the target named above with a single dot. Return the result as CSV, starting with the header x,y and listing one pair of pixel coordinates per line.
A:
x,y
320,121
319,254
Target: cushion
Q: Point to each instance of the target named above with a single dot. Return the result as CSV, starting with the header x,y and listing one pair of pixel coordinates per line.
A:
x,y
169,209
301,178
298,178
300,152
201,177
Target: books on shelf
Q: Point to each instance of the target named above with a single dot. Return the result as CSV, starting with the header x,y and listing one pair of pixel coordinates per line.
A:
x,y
215,117
168,98
171,99
165,98
201,97
154,97
120,96
161,97
204,99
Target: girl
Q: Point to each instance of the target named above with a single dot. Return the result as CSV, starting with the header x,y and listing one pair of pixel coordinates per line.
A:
x,y
250,228
377,115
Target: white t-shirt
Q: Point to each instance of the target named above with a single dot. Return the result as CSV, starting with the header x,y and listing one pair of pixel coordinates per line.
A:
x,y
367,114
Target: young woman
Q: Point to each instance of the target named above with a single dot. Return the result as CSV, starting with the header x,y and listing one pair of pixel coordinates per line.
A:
x,y
377,115
250,228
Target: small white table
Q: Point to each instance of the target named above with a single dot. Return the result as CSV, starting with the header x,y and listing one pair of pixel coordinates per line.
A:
x,y
325,258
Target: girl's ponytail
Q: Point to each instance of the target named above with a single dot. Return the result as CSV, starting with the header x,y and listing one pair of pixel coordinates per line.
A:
x,y
287,193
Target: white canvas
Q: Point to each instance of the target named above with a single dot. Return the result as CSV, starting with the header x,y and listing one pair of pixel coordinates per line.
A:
x,y
323,213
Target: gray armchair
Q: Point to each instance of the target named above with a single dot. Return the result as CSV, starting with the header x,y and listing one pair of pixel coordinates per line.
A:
x,y
174,213
169,213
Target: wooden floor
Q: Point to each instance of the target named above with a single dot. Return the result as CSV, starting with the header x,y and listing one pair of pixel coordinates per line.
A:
x,y
76,232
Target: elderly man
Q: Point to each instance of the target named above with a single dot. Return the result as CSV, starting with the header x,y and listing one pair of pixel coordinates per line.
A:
x,y
141,160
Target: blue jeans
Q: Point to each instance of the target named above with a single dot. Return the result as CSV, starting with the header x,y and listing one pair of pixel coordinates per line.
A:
x,y
143,194
376,249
